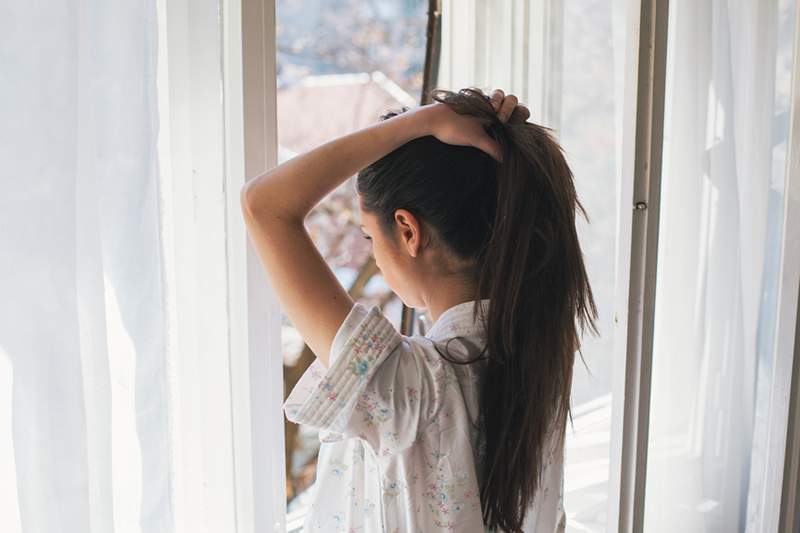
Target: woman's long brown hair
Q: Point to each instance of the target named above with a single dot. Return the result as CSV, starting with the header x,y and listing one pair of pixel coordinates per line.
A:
x,y
516,222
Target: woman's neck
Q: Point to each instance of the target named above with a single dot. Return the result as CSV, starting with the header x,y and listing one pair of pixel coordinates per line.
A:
x,y
445,295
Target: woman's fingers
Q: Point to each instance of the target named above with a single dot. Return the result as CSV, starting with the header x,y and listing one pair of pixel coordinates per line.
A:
x,y
507,107
507,104
462,130
497,98
523,111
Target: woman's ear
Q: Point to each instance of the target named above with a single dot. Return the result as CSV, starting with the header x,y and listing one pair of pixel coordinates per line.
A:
x,y
410,231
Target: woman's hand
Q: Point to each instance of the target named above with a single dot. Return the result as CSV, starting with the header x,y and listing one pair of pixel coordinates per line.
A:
x,y
506,105
463,130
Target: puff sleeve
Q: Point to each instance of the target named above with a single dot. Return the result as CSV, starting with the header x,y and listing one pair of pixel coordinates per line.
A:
x,y
379,386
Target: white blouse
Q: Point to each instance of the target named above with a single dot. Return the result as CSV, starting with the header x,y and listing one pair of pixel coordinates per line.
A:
x,y
400,446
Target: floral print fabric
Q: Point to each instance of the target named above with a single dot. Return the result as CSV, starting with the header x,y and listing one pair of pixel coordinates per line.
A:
x,y
400,447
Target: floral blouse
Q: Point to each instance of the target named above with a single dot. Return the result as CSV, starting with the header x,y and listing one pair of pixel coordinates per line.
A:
x,y
400,447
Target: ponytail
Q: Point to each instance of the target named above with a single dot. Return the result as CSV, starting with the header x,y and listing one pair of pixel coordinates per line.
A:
x,y
533,272
515,221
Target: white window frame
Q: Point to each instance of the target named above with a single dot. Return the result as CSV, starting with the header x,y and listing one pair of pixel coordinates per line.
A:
x,y
642,138
216,80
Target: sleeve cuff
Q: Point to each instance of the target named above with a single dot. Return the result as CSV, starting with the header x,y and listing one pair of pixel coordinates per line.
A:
x,y
325,398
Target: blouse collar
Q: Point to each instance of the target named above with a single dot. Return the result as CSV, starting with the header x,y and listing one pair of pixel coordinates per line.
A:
x,y
457,320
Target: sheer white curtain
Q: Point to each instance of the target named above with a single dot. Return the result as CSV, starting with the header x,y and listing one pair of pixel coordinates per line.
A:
x,y
724,168
84,418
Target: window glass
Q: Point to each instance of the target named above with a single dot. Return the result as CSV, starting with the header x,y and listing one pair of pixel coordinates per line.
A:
x,y
341,63
588,51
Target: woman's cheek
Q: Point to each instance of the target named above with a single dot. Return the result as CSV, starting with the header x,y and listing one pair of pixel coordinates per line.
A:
x,y
378,258
387,273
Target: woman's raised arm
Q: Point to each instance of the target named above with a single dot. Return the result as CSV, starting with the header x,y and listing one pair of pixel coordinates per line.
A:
x,y
276,203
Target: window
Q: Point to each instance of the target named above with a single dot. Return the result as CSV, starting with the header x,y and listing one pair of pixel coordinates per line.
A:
x,y
340,65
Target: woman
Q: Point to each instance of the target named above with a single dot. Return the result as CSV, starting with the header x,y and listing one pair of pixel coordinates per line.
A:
x,y
471,213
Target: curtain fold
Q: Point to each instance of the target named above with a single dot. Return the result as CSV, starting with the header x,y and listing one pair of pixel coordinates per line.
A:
x,y
84,418
717,249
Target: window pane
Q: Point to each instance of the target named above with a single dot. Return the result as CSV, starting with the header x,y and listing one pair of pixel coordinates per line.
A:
x,y
341,63
588,124
727,102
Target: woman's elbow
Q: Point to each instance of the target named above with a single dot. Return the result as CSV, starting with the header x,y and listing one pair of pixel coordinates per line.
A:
x,y
249,199
244,197
266,206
